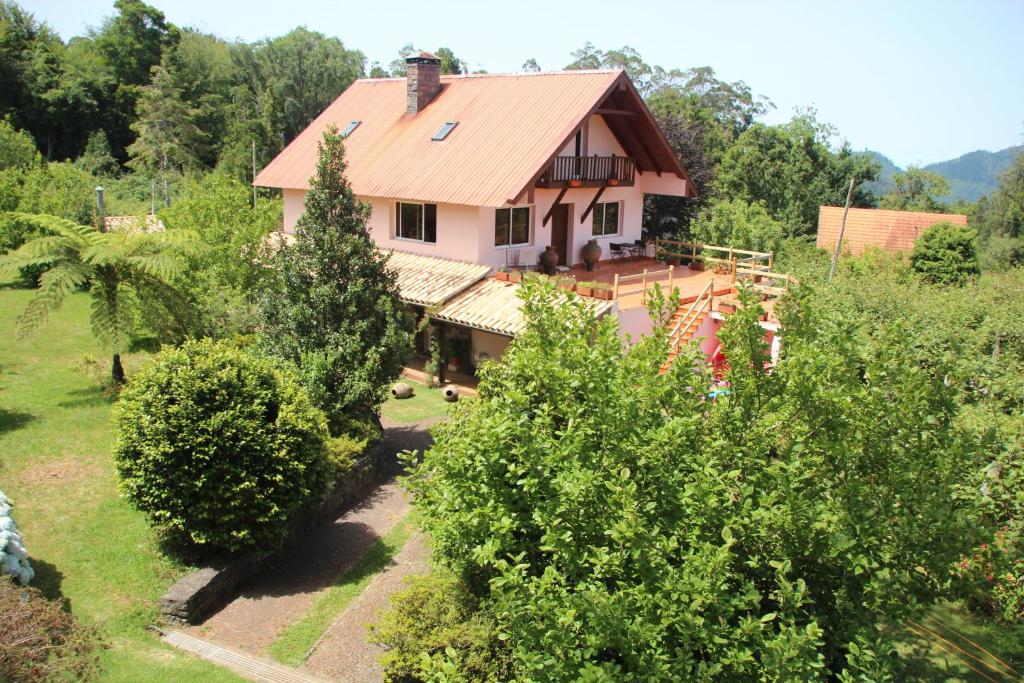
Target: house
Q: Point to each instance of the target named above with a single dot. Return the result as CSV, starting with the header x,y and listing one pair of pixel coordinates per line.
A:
x,y
881,228
471,174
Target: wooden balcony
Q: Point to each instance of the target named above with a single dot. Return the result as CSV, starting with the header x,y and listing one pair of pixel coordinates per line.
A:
x,y
593,171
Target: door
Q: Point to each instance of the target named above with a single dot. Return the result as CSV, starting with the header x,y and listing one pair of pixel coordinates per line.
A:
x,y
560,233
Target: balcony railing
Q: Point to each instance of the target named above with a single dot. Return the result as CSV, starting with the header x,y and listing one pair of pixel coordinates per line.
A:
x,y
593,171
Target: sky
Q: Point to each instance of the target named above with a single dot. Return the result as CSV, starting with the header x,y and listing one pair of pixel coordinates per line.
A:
x,y
918,81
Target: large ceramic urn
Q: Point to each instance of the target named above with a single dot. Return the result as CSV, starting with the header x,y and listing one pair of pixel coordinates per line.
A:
x,y
591,253
549,260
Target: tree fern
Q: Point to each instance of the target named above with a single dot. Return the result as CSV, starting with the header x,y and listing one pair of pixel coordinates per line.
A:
x,y
122,271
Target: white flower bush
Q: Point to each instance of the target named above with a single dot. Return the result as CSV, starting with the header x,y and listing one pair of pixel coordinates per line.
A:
x,y
13,556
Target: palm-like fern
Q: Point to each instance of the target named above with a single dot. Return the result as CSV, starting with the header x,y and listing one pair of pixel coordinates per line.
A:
x,y
122,270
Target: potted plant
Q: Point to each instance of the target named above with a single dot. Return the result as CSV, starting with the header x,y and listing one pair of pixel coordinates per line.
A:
x,y
575,182
613,182
585,288
591,253
502,274
671,259
697,265
602,290
566,282
515,276
727,307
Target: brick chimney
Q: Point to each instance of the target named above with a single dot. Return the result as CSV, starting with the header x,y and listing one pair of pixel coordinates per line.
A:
x,y
423,80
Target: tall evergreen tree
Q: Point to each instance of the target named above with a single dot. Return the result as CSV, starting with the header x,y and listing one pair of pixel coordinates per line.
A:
x,y
168,139
332,305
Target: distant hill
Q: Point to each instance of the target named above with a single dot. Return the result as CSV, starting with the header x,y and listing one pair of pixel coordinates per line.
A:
x,y
970,176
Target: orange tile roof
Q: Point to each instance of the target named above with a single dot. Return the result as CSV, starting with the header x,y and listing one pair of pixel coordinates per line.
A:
x,y
509,126
883,228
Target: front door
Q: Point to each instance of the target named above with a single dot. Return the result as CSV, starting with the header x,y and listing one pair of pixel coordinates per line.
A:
x,y
560,233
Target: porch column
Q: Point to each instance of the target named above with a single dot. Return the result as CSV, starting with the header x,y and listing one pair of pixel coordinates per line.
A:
x,y
442,362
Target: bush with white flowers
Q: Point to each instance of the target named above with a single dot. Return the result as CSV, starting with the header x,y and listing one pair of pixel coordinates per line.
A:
x,y
13,556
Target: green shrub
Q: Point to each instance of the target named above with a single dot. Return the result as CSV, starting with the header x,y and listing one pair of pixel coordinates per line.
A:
x,y
435,626
60,189
737,224
17,148
1001,253
622,526
15,231
946,254
220,447
40,640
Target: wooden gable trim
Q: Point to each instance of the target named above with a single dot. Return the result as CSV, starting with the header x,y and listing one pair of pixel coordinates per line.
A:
x,y
551,211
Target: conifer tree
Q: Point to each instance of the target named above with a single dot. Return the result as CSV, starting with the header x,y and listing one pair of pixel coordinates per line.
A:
x,y
332,305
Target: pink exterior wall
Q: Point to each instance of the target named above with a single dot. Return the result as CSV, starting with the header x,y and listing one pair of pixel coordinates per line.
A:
x,y
458,230
293,202
634,322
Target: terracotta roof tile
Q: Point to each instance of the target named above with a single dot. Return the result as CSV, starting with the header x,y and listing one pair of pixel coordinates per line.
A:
x,y
882,228
495,306
429,280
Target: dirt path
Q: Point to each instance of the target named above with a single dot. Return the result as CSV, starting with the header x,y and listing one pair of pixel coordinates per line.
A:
x,y
288,589
344,653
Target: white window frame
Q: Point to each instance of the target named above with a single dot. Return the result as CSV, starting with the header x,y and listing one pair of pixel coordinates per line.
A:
x,y
529,227
423,222
601,206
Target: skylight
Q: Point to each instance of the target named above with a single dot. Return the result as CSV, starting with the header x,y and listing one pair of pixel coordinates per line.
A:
x,y
445,129
349,128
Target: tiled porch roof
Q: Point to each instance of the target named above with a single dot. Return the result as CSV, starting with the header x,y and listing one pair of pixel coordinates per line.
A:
x,y
429,280
495,306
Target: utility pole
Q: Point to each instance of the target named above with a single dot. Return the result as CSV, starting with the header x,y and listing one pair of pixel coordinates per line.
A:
x,y
101,220
253,174
842,229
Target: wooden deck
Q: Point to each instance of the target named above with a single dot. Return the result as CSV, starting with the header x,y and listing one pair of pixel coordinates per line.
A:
x,y
631,291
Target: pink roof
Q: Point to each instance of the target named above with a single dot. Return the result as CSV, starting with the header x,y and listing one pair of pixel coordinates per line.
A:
x,y
882,228
509,128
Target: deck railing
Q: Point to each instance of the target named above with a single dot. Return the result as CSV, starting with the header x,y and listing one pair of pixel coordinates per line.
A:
x,y
603,170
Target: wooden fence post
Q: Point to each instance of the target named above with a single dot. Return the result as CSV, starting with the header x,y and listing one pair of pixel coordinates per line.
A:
x,y
670,269
615,287
644,297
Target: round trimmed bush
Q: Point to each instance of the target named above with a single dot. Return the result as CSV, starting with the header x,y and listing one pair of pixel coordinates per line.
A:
x,y
946,254
220,447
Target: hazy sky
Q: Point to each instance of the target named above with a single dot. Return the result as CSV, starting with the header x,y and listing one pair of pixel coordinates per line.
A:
x,y
918,81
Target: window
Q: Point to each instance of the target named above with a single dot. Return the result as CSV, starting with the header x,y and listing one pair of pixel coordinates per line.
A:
x,y
417,222
443,132
512,226
347,130
606,219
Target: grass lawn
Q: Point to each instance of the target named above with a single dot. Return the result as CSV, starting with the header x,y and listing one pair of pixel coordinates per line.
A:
x,y
86,543
426,402
951,644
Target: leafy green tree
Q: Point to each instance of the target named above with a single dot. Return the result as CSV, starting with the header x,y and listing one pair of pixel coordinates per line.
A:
x,y
221,279
450,64
397,66
168,138
220,447
122,271
916,190
794,171
332,306
946,254
17,148
133,41
735,223
530,65
621,525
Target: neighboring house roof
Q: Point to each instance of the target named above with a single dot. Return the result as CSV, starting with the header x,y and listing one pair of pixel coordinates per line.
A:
x,y
510,128
495,306
429,280
882,228
148,223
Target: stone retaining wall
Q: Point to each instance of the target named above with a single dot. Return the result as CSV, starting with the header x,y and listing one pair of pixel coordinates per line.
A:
x,y
204,591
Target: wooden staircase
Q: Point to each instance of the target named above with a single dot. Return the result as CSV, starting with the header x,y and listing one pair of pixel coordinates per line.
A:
x,y
685,322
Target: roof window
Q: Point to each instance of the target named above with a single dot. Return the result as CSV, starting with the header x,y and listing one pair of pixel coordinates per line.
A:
x,y
352,125
445,129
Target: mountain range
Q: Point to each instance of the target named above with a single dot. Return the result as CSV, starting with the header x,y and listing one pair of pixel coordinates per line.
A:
x,y
970,176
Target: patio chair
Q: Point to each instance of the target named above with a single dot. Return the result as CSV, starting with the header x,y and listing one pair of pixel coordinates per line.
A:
x,y
618,249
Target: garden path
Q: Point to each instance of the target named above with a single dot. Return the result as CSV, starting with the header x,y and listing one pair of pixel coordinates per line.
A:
x,y
344,653
285,592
